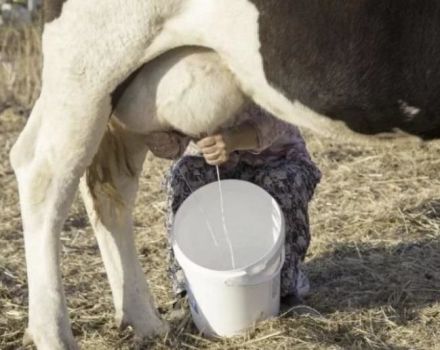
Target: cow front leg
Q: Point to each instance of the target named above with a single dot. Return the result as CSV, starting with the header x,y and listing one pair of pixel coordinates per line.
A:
x,y
109,191
48,158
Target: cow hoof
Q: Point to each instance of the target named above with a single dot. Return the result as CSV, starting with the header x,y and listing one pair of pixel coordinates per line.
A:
x,y
45,340
143,328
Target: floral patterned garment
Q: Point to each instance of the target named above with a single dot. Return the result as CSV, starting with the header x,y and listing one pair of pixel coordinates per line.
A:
x,y
281,165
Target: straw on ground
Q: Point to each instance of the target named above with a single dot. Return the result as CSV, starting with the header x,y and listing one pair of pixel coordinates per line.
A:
x,y
374,260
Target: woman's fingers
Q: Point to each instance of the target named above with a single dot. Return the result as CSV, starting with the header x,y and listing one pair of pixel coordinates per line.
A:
x,y
214,156
209,141
212,145
217,159
213,149
220,146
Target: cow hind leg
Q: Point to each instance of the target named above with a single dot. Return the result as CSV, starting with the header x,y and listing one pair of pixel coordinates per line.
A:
x,y
109,190
64,132
48,158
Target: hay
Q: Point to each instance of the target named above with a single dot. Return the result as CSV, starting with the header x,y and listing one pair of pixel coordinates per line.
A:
x,y
374,259
20,66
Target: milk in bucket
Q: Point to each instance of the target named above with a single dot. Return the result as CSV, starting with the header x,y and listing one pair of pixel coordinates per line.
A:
x,y
226,300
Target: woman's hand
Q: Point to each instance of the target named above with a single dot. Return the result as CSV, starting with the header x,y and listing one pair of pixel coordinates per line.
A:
x,y
216,148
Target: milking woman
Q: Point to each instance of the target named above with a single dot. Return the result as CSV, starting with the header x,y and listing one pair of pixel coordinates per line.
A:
x,y
257,148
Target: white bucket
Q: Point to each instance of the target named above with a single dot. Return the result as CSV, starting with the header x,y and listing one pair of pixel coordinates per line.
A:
x,y
224,300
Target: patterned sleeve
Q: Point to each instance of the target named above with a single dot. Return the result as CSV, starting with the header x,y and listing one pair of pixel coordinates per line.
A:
x,y
167,145
182,142
269,129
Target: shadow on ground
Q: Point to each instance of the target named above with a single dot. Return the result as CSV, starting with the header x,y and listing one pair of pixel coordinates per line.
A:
x,y
404,276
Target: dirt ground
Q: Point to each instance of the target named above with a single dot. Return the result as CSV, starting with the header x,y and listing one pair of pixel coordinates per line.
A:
x,y
374,262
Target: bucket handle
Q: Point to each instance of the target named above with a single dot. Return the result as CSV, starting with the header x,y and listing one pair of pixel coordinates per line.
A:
x,y
252,280
254,270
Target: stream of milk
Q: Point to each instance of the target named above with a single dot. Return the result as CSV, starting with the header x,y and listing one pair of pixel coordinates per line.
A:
x,y
222,211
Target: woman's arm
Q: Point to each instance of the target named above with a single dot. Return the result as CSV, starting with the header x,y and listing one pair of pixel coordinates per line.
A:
x,y
244,137
267,127
258,131
168,145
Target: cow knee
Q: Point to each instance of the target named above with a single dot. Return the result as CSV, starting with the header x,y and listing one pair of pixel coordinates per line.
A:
x,y
22,152
16,156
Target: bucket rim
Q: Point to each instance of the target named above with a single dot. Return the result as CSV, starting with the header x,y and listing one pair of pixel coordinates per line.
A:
x,y
249,269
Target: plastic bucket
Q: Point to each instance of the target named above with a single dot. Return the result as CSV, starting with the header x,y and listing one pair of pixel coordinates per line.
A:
x,y
229,295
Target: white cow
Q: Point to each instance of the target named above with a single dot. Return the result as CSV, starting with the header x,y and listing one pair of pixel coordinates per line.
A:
x,y
187,89
333,56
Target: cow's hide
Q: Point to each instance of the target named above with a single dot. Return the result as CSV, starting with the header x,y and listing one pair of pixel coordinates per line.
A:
x,y
374,64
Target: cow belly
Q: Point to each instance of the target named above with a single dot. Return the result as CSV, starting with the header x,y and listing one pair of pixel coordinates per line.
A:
x,y
375,109
187,89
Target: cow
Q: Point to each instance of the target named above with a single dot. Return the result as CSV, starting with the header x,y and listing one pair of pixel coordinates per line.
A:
x,y
354,70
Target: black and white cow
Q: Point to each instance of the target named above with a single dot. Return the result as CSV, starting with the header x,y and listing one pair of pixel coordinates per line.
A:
x,y
350,69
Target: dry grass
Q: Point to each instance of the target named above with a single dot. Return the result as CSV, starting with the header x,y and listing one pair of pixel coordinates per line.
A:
x,y
19,66
374,262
